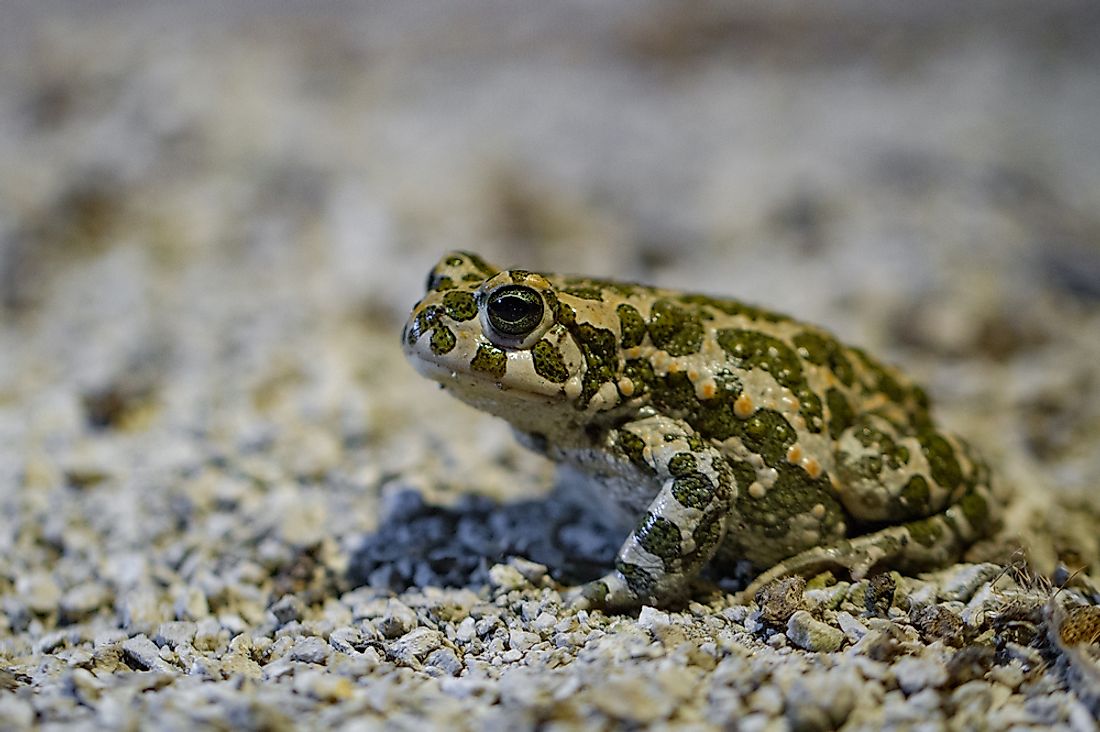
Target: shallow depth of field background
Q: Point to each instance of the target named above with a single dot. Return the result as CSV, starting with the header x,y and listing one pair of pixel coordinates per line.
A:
x,y
214,219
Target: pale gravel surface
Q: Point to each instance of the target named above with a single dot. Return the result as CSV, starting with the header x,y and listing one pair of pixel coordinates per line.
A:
x,y
212,223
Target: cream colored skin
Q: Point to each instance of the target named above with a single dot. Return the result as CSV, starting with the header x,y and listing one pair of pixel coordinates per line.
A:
x,y
724,433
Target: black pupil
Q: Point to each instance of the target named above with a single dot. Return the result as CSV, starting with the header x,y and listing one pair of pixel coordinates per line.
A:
x,y
515,311
513,308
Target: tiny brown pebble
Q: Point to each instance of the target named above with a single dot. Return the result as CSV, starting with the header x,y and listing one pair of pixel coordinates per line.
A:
x,y
1081,626
937,623
780,600
884,642
879,596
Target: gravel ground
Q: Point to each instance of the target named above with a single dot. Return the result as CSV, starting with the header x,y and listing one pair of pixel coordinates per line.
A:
x,y
227,502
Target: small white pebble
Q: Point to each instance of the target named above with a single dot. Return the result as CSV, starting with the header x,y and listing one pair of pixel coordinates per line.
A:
x,y
521,640
914,674
310,649
850,626
505,577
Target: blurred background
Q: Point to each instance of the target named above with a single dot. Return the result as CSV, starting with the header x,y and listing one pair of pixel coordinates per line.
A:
x,y
214,218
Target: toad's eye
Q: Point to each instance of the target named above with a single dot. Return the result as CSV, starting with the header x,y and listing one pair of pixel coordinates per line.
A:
x,y
514,310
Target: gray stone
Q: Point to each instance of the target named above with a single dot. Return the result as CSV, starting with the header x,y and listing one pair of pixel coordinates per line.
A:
x,y
191,604
917,673
39,591
415,645
521,640
347,640
850,626
398,620
445,660
506,577
175,633
310,649
961,582
210,636
16,712
287,608
143,654
142,611
83,600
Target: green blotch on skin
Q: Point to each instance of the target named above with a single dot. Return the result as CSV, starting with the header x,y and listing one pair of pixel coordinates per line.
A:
x,y
675,396
693,490
927,532
681,463
920,417
915,493
631,325
707,533
640,373
976,510
601,356
840,412
891,387
425,320
768,434
596,592
868,435
563,314
895,455
584,292
623,289
637,579
716,420
744,474
661,538
942,462
754,350
518,276
869,466
733,307
882,378
695,442
794,493
490,360
439,283
472,277
548,361
809,406
825,351
460,305
713,418
634,449
443,340
676,330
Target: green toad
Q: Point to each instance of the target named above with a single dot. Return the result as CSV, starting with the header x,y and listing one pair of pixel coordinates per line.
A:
x,y
721,432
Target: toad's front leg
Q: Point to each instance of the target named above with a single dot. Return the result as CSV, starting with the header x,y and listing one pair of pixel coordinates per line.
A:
x,y
683,526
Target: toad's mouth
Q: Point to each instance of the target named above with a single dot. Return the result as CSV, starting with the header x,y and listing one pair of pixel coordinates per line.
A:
x,y
480,387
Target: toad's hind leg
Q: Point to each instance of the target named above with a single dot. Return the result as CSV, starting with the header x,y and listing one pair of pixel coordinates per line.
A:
x,y
915,546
